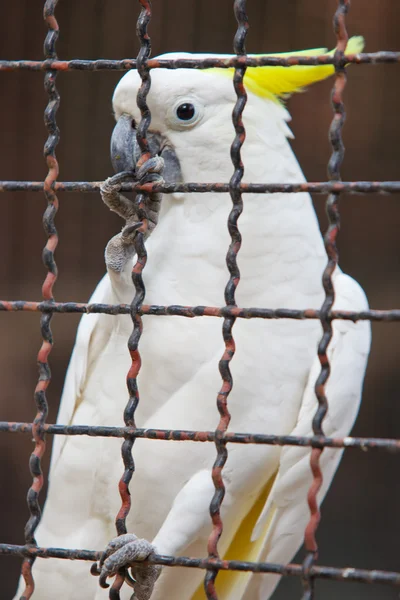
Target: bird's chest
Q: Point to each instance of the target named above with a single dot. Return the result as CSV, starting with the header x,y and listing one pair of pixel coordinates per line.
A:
x,y
186,266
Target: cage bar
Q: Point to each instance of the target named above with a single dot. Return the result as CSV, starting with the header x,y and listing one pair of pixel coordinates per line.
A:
x,y
51,66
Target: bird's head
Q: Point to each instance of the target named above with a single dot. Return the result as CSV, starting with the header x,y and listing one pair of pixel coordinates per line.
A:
x,y
191,112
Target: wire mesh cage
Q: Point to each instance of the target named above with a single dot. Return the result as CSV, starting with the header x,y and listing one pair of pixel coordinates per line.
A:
x,y
309,571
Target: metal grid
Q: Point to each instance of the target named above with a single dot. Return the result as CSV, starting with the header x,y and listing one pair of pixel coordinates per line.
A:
x,y
308,571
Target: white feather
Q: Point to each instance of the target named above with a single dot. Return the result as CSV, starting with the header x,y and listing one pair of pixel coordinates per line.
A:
x,y
84,353
348,353
281,261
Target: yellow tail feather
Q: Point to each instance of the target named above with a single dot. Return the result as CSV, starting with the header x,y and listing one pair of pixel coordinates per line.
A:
x,y
232,583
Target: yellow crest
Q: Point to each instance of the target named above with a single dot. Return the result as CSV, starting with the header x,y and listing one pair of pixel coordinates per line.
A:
x,y
277,82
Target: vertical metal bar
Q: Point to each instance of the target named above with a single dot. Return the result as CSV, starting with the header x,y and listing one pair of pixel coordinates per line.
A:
x,y
332,209
230,289
47,292
133,342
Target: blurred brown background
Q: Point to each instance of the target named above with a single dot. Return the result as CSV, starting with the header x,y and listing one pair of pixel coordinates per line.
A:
x,y
360,525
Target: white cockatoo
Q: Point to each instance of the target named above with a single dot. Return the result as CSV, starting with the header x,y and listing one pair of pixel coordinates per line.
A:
x,y
274,369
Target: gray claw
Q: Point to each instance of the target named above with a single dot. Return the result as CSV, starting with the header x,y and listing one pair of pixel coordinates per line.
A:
x,y
152,167
123,552
116,544
129,232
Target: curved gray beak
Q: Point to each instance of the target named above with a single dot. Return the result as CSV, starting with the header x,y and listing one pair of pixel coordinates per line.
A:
x,y
124,148
125,151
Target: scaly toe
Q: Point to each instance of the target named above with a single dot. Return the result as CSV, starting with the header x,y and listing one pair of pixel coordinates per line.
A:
x,y
113,184
151,170
123,552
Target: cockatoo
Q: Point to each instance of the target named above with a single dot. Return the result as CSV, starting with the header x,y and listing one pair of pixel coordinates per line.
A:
x,y
274,368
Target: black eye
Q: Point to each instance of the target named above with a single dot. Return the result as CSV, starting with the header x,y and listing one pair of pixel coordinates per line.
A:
x,y
185,111
133,124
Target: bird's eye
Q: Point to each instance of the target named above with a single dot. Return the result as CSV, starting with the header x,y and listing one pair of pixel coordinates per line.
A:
x,y
185,111
133,124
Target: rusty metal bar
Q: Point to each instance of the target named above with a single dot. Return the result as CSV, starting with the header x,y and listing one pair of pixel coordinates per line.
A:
x,y
332,209
308,571
239,8
137,280
190,312
323,187
47,291
127,64
348,574
183,435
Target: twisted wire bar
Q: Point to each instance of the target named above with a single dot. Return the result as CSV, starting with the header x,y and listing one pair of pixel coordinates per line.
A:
x,y
323,187
347,574
38,433
182,435
127,64
308,571
140,290
332,209
230,290
190,312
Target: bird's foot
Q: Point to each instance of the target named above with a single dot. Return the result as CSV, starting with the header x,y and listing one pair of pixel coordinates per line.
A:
x,y
111,196
151,170
123,552
110,190
121,248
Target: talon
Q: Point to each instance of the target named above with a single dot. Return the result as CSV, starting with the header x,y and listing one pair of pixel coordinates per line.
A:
x,y
127,231
130,580
153,165
94,570
123,552
103,579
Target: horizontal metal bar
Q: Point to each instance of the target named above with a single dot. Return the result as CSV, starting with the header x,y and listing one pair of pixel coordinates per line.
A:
x,y
64,553
339,574
323,187
199,311
126,64
181,435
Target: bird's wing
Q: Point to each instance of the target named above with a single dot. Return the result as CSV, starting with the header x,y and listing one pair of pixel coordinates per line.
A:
x,y
274,529
83,354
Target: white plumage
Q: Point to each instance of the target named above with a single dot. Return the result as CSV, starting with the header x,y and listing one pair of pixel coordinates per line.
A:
x,y
274,368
